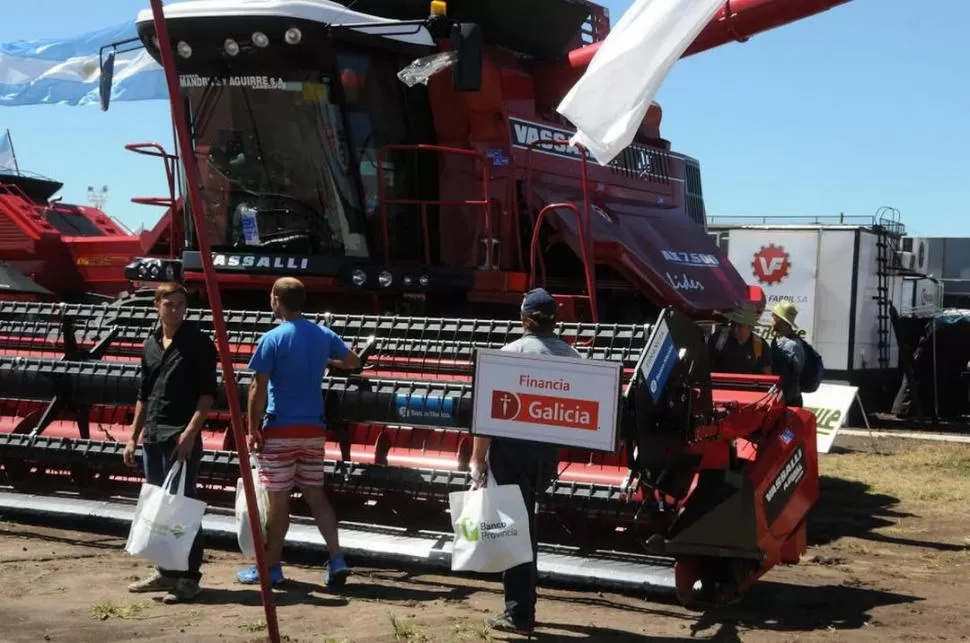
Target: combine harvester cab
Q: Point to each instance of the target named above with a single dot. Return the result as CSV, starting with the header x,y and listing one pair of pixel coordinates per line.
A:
x,y
443,195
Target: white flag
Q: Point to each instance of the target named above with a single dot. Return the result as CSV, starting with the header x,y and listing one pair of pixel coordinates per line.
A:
x,y
6,153
608,103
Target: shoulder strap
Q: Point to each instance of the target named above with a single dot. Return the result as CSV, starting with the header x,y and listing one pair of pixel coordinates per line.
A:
x,y
722,338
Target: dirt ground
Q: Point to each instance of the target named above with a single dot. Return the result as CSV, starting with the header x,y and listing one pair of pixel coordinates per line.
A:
x,y
889,561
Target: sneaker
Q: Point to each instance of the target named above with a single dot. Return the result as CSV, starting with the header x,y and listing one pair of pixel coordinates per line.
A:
x,y
185,590
154,583
504,623
335,572
250,575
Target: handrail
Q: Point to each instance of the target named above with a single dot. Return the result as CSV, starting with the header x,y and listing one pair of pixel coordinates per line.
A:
x,y
171,167
384,202
12,189
584,180
157,151
590,289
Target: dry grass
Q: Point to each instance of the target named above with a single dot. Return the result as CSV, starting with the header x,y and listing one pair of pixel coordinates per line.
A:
x,y
930,478
904,492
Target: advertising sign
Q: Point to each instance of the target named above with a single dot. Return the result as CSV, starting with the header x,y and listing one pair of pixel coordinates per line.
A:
x,y
541,398
830,404
784,264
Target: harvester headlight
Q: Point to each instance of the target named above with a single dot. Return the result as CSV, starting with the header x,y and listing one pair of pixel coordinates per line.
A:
x,y
359,277
183,49
231,47
293,36
155,270
408,280
260,39
142,270
385,278
424,280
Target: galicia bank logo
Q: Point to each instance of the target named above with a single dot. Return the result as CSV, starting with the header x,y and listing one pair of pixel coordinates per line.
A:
x,y
548,410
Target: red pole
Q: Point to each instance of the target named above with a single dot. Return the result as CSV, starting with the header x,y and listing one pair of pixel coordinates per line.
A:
x,y
192,177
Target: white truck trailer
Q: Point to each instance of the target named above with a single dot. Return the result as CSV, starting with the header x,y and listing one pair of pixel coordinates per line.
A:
x,y
845,278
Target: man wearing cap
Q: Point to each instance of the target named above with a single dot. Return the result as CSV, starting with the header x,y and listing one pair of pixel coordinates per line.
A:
x,y
787,354
524,464
737,348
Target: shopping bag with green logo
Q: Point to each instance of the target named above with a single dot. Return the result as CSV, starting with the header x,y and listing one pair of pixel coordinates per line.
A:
x,y
492,530
244,533
165,523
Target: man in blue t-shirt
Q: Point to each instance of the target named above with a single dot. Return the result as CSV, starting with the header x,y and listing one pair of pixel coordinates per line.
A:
x,y
290,438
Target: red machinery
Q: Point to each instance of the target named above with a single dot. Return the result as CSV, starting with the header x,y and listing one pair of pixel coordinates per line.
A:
x,y
447,199
60,251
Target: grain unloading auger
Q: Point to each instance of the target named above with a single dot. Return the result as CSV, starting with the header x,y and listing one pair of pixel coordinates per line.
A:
x,y
711,481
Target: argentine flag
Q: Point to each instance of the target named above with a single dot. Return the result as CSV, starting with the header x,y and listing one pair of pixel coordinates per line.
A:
x,y
68,71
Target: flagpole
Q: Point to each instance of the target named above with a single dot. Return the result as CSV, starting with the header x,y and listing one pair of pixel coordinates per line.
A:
x,y
16,166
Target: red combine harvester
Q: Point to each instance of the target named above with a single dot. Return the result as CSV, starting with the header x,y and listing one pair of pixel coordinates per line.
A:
x,y
53,251
422,210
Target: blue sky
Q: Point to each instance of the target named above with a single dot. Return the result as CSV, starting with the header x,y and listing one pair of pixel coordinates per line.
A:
x,y
863,106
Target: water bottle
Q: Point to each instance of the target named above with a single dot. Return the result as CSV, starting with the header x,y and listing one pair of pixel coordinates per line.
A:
x,y
250,227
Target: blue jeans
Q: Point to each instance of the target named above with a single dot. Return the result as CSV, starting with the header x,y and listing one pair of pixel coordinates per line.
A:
x,y
157,460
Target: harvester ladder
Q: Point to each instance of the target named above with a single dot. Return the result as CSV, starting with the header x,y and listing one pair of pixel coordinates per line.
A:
x,y
882,295
888,231
582,225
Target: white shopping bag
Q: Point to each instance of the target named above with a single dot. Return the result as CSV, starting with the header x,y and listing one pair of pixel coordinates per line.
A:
x,y
165,524
492,530
244,534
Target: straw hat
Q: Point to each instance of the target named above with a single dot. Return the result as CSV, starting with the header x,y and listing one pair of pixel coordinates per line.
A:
x,y
786,312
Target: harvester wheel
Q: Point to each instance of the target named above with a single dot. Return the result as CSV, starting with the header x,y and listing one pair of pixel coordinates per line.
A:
x,y
692,591
705,582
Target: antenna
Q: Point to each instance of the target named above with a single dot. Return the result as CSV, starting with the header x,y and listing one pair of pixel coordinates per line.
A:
x,y
98,197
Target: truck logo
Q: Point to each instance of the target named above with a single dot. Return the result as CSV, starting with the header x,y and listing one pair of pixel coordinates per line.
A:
x,y
771,264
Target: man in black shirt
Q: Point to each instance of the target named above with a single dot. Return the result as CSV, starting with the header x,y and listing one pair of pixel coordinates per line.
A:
x,y
178,386
737,348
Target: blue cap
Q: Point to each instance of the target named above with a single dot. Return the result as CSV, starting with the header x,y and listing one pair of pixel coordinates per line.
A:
x,y
538,302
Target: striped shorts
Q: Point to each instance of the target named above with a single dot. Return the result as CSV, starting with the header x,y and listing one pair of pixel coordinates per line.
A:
x,y
286,461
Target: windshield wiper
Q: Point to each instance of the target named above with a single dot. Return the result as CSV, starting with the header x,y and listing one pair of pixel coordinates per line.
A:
x,y
207,105
252,119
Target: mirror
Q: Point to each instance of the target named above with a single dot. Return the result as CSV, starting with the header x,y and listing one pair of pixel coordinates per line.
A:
x,y
466,38
107,75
